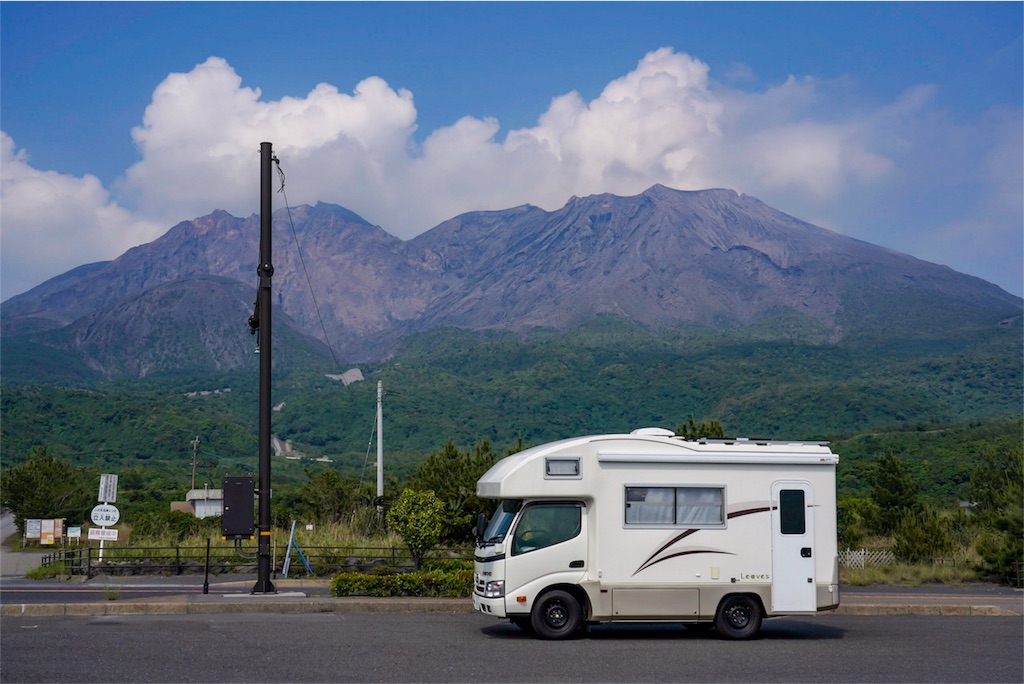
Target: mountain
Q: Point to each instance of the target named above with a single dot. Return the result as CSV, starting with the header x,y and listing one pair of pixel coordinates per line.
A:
x,y
199,322
661,259
710,258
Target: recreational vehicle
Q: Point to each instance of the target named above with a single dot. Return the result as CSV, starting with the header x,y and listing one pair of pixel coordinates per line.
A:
x,y
650,527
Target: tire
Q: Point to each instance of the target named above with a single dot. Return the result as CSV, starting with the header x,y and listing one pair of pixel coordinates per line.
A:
x,y
739,617
556,615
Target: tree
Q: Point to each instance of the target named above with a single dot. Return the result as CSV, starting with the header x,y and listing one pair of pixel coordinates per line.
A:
x,y
852,516
47,487
893,492
416,517
325,497
693,430
921,535
997,490
452,475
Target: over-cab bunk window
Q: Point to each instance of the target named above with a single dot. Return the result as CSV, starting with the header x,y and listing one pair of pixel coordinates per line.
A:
x,y
676,506
567,468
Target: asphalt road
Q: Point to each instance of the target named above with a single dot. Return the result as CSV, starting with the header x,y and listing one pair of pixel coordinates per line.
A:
x,y
475,648
124,589
14,564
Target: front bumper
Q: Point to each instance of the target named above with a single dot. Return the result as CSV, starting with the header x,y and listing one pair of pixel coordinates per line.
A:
x,y
489,606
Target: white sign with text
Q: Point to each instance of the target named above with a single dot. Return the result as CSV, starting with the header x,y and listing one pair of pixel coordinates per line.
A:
x,y
105,515
102,534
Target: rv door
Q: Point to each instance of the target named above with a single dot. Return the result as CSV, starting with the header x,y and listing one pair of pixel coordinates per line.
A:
x,y
793,583
549,539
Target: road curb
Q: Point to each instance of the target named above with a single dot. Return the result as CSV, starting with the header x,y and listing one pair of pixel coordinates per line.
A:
x,y
384,606
971,611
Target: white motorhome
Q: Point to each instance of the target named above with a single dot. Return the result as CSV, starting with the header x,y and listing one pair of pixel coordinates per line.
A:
x,y
649,527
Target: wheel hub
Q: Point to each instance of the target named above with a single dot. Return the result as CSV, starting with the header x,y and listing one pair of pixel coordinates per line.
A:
x,y
738,617
556,616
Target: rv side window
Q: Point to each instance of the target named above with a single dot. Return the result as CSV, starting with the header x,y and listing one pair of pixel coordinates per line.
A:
x,y
791,511
689,506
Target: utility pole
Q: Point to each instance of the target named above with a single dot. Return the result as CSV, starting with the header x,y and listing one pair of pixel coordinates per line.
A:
x,y
260,321
195,446
380,439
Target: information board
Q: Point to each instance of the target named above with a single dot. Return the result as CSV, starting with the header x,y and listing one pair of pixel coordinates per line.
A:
x,y
108,488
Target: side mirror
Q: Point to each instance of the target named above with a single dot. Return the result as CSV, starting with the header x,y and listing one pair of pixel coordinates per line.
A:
x,y
480,527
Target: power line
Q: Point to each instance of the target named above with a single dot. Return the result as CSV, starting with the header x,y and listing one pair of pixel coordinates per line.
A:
x,y
302,262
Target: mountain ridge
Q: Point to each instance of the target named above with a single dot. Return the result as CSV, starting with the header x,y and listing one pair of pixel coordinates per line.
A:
x,y
661,259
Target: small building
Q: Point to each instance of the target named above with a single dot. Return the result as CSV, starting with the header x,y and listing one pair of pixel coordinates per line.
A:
x,y
202,503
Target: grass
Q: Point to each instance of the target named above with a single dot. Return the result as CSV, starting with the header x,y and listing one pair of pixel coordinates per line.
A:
x,y
910,575
327,546
53,570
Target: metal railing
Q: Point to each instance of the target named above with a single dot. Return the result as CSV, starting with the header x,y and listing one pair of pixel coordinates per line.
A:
x,y
178,560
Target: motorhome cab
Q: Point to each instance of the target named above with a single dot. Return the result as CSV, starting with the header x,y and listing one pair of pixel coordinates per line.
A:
x,y
649,527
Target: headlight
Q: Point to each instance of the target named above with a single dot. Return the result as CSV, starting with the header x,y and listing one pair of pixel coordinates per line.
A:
x,y
494,589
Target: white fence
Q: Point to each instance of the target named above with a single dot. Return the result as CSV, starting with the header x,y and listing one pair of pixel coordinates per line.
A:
x,y
859,558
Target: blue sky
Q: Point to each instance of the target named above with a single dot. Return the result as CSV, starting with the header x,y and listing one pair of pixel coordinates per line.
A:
x,y
899,124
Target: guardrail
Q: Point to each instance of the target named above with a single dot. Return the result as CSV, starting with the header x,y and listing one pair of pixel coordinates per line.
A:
x,y
178,560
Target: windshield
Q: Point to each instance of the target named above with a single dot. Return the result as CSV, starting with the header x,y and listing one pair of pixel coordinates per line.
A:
x,y
501,520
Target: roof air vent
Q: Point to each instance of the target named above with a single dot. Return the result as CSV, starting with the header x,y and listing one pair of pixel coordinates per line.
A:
x,y
653,432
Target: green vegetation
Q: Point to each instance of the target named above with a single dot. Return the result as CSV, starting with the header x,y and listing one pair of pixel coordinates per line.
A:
x,y
416,516
59,569
451,583
920,426
452,473
997,487
910,575
45,487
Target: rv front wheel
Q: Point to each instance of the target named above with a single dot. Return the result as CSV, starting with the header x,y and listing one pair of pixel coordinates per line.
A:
x,y
739,617
556,615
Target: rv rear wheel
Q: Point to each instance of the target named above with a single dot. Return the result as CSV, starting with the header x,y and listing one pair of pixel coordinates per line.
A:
x,y
739,617
556,615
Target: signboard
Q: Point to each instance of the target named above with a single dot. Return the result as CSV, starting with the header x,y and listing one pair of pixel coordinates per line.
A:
x,y
105,515
102,534
32,528
74,533
108,488
46,533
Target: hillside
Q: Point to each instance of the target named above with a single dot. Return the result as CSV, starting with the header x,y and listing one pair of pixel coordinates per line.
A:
x,y
607,376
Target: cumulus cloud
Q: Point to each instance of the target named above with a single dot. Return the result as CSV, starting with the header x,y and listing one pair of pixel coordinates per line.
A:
x,y
54,222
200,136
798,145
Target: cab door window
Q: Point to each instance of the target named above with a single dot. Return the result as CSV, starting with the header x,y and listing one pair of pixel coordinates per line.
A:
x,y
544,525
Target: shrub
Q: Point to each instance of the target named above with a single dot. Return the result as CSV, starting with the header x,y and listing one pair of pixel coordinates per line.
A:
x,y
417,517
435,583
920,536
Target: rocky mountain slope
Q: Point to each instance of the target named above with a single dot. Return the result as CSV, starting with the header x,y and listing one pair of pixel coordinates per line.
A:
x,y
661,259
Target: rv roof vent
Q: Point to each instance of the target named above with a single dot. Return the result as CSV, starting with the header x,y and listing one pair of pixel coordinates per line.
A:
x,y
654,432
